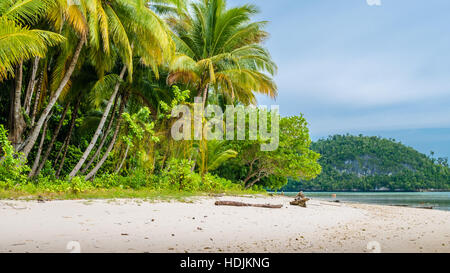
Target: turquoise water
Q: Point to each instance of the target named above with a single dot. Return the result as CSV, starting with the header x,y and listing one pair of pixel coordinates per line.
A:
x,y
437,200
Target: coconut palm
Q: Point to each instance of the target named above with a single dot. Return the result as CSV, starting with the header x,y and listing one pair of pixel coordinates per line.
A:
x,y
217,154
151,43
220,49
19,42
75,19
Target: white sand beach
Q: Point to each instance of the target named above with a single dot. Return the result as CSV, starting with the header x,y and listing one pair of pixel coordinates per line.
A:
x,y
200,226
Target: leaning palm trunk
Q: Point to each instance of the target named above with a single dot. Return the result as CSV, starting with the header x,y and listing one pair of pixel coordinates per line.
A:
x,y
123,159
37,128
36,99
102,142
111,145
99,128
31,86
39,151
52,142
69,136
205,96
63,145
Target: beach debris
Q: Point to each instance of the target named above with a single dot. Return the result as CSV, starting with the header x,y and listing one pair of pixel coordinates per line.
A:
x,y
300,200
14,207
40,199
240,204
218,195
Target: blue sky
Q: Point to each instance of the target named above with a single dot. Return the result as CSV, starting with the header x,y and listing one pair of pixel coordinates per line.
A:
x,y
351,67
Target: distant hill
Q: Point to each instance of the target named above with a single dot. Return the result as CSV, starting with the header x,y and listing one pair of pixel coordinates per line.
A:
x,y
361,163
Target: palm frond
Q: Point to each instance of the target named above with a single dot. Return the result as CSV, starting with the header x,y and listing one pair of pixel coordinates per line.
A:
x,y
19,43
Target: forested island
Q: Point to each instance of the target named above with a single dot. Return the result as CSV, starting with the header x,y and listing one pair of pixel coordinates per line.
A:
x,y
362,163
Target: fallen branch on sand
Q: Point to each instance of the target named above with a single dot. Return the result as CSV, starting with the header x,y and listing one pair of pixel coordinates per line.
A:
x,y
240,204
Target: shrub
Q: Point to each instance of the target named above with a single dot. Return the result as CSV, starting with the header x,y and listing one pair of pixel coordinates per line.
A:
x,y
178,176
13,168
214,183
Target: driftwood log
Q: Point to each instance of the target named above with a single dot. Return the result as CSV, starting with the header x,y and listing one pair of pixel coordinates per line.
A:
x,y
240,204
300,200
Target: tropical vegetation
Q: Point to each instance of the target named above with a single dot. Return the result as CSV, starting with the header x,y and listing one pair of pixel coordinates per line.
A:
x,y
87,88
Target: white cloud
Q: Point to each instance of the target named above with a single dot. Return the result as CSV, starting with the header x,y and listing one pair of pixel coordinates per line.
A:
x,y
373,2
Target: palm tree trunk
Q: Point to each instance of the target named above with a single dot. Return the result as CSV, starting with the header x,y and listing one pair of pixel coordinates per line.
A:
x,y
31,86
63,145
52,142
123,159
37,128
99,128
205,95
69,136
18,124
39,151
36,99
105,135
111,144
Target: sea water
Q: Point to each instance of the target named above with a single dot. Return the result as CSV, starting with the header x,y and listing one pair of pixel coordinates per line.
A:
x,y
436,200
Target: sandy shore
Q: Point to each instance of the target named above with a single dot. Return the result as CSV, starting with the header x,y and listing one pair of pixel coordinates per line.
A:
x,y
199,226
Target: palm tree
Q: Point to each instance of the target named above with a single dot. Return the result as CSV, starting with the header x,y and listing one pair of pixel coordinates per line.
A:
x,y
146,33
19,42
220,49
74,18
217,154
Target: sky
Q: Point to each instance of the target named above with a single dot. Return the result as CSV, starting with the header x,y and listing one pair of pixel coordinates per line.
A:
x,y
371,67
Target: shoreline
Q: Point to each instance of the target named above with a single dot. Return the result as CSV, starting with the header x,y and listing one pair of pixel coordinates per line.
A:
x,y
197,225
349,191
420,200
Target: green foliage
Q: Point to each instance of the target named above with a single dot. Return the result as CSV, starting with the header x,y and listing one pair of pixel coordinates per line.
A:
x,y
218,154
178,175
292,159
221,48
73,155
373,163
179,97
13,167
18,43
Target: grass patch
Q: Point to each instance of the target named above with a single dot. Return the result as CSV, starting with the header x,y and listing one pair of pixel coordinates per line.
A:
x,y
119,193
